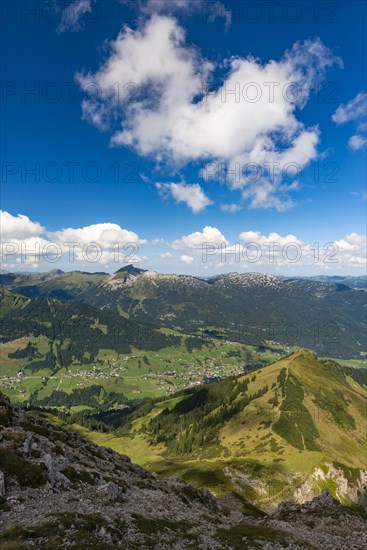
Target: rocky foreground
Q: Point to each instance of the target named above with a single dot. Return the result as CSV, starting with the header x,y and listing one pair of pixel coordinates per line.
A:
x,y
59,491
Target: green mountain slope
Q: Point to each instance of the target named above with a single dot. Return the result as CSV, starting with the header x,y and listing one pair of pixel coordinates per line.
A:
x,y
285,431
79,330
69,354
42,336
249,307
60,491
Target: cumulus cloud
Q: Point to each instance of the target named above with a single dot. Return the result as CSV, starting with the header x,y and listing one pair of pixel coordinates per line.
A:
x,y
274,251
352,250
353,242
164,74
72,15
18,227
195,241
191,194
28,242
21,239
110,241
105,234
259,238
186,259
175,115
357,142
354,111
284,250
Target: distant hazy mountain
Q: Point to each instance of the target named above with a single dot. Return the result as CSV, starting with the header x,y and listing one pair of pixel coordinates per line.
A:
x,y
328,318
353,282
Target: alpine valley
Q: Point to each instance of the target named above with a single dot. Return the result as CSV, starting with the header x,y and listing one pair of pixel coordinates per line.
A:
x,y
324,316
250,388
183,284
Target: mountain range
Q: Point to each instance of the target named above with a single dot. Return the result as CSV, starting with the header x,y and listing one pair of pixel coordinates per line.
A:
x,y
326,317
75,345
353,281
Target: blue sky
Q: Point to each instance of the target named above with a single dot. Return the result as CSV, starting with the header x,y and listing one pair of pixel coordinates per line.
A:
x,y
154,162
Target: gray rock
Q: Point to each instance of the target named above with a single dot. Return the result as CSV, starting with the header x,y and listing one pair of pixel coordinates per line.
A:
x,y
134,504
54,474
28,445
325,498
285,507
2,485
111,491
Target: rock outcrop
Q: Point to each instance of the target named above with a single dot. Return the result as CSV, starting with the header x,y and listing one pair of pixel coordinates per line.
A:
x,y
59,491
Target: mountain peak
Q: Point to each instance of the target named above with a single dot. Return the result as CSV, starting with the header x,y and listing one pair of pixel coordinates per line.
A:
x,y
249,280
131,270
49,275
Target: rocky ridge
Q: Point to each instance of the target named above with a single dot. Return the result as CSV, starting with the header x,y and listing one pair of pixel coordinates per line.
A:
x,y
60,491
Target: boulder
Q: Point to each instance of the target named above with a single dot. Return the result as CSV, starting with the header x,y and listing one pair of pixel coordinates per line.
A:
x,y
54,472
28,445
2,485
111,491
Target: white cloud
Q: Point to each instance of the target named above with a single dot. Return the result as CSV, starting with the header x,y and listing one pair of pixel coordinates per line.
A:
x,y
170,117
195,241
357,142
259,238
187,259
191,194
18,227
72,15
274,252
275,248
113,242
105,234
355,109
360,195
155,62
353,242
28,242
22,239
352,250
95,115
349,252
